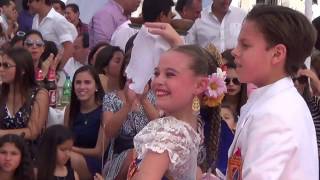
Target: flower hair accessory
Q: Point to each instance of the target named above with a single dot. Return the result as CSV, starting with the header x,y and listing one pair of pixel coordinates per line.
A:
x,y
216,88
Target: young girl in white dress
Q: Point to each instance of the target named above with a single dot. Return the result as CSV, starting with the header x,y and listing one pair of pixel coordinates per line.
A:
x,y
167,147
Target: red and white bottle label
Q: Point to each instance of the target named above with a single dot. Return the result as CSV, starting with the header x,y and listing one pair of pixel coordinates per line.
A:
x,y
52,97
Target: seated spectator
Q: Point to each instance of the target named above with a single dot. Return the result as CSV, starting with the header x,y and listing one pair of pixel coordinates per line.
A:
x,y
188,9
15,159
54,27
109,62
34,43
236,96
59,6
54,155
72,14
79,55
83,117
125,114
24,105
94,51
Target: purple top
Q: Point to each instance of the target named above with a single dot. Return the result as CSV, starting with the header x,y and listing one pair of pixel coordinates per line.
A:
x,y
105,22
25,21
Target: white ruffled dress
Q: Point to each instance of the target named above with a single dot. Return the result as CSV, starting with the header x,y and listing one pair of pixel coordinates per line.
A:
x,y
175,136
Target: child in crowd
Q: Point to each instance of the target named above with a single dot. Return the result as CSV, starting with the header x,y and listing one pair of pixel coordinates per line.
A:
x,y
275,136
229,116
15,159
168,147
54,154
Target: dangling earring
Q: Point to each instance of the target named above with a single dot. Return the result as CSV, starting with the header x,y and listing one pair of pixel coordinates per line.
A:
x,y
196,104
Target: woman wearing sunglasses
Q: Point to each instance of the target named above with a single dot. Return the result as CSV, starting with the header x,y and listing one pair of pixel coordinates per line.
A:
x,y
23,105
237,92
35,44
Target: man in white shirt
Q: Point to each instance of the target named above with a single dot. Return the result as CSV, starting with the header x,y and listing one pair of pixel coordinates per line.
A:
x,y
122,34
53,27
188,9
80,54
219,24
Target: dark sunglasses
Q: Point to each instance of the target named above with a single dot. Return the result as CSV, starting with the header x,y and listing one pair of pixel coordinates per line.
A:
x,y
6,65
300,79
31,43
30,1
235,81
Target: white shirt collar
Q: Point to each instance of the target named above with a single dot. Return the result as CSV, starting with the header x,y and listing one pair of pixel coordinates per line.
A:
x,y
272,89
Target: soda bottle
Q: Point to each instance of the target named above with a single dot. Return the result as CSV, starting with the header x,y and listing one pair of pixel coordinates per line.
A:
x,y
40,77
52,87
66,92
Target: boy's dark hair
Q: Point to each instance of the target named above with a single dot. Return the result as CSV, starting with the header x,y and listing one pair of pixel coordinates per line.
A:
x,y
152,9
61,3
183,3
282,25
74,7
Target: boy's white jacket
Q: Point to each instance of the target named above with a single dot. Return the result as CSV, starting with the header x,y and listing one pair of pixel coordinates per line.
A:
x,y
276,135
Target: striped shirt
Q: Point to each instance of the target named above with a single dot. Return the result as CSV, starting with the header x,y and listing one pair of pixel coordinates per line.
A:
x,y
314,107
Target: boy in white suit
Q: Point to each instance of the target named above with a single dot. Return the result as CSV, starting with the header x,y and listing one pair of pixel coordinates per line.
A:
x,y
275,136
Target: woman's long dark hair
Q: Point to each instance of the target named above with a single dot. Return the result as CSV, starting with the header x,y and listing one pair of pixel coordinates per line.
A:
x,y
25,168
74,102
24,77
47,155
104,57
243,95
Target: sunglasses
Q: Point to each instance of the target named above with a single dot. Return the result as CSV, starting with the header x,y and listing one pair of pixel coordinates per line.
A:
x,y
300,79
31,43
30,1
235,81
6,65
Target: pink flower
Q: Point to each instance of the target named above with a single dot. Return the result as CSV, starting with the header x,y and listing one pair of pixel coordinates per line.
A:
x,y
216,86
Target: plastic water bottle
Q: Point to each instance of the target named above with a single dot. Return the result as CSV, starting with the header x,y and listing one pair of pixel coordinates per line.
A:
x,y
66,93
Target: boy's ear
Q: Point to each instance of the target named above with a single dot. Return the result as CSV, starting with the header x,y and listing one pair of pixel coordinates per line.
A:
x,y
202,85
279,54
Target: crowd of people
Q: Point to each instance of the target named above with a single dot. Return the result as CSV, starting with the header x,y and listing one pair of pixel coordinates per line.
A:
x,y
190,94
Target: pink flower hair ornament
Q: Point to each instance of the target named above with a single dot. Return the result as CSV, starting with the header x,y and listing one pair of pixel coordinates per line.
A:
x,y
216,88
